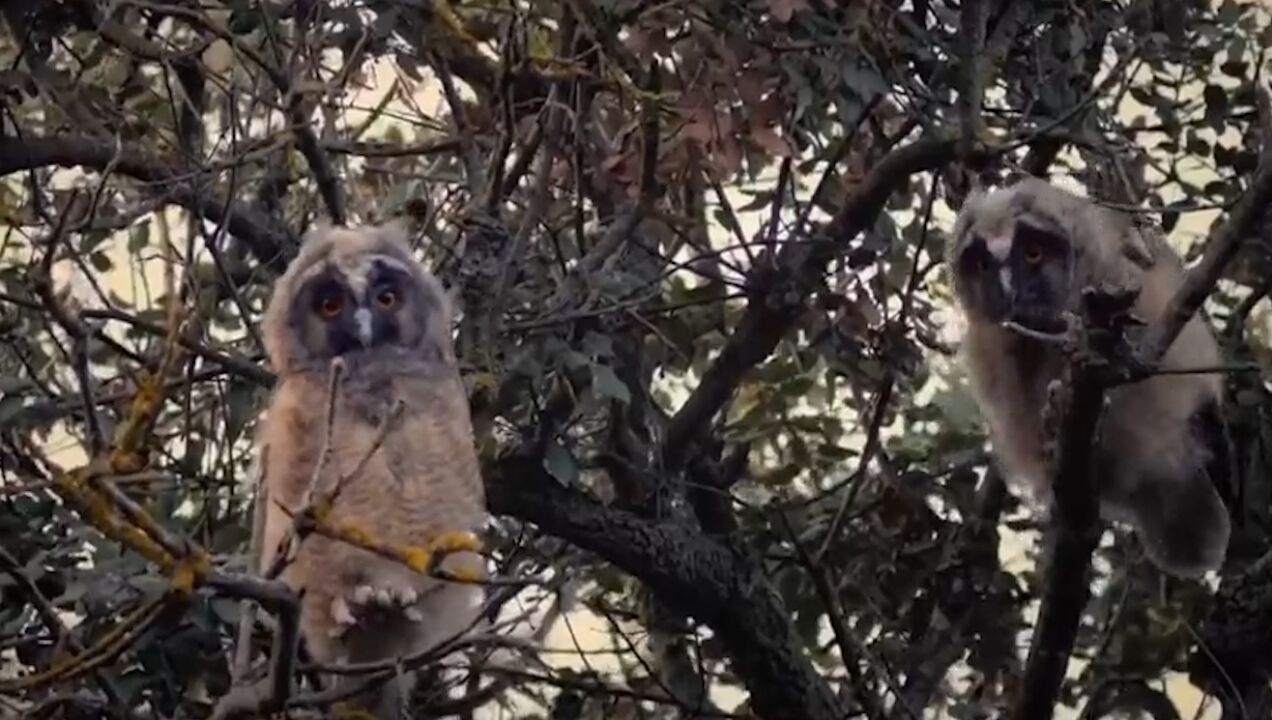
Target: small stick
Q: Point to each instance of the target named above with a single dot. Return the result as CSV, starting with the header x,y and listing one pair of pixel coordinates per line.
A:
x,y
1052,338
399,406
247,607
285,546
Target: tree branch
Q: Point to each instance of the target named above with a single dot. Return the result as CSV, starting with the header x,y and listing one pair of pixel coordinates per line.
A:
x,y
271,243
1241,223
693,574
1075,533
1076,523
777,295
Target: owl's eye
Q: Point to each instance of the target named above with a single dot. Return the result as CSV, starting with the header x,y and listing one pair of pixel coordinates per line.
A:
x,y
386,299
331,306
1033,254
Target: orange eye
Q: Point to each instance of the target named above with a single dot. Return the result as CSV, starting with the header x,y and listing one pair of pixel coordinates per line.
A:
x,y
1033,255
386,299
331,306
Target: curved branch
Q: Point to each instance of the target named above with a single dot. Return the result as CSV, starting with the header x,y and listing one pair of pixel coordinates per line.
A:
x,y
693,574
1241,223
778,295
271,243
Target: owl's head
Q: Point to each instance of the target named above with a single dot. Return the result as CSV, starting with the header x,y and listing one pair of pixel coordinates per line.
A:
x,y
356,291
1024,252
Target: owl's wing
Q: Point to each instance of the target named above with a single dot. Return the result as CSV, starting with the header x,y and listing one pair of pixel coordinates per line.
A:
x,y
269,522
256,546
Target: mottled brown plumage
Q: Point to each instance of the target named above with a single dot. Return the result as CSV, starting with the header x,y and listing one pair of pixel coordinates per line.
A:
x,y
1024,253
392,333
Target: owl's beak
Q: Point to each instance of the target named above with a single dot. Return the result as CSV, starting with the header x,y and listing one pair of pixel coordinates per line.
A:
x,y
362,319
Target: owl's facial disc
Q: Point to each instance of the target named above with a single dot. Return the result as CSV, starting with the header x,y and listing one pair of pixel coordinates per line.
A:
x,y
376,305
1024,277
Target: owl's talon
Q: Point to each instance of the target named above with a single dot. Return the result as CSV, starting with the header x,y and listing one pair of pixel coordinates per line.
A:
x,y
341,614
388,597
363,594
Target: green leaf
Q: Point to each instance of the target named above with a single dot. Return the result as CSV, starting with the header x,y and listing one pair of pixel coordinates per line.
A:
x,y
779,476
1216,102
101,261
240,402
91,239
243,19
138,237
598,346
10,406
560,464
798,387
574,360
607,385
834,453
759,199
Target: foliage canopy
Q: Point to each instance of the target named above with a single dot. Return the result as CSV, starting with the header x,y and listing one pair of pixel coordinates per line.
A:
x,y
697,247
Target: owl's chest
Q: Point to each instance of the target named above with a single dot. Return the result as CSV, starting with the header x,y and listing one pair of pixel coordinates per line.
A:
x,y
388,448
369,400
1035,365
389,481
406,466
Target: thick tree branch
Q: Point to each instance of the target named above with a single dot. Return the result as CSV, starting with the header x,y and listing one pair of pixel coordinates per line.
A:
x,y
271,243
778,295
1075,533
975,65
694,575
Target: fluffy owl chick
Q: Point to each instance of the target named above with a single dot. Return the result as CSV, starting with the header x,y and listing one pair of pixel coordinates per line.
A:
x,y
358,295
1024,253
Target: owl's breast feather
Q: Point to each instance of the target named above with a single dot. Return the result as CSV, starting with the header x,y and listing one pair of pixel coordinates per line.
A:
x,y
421,479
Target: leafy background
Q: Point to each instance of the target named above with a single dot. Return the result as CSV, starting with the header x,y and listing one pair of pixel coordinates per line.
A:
x,y
706,333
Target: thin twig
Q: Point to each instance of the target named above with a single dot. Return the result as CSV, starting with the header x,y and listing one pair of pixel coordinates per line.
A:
x,y
883,399
114,642
468,153
79,334
247,608
288,546
1039,335
850,648
390,418
52,620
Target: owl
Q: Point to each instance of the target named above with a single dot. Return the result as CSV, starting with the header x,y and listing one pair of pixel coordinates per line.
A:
x,y
400,449
1024,253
